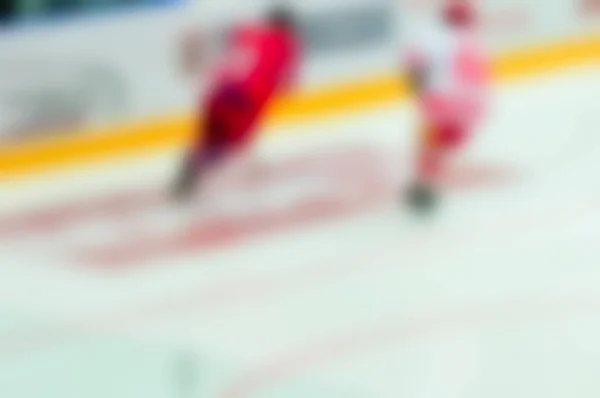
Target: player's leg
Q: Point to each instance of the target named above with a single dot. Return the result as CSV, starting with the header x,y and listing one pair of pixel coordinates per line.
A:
x,y
438,140
421,195
245,164
193,171
221,140
207,149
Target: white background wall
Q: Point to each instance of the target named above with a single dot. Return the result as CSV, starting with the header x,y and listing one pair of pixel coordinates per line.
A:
x,y
140,49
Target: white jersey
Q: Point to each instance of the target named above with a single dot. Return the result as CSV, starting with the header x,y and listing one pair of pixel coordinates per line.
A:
x,y
456,70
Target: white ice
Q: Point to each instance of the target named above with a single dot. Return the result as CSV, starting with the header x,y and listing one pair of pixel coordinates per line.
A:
x,y
496,296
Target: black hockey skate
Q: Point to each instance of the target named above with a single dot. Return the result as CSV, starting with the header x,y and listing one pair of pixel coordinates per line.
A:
x,y
421,198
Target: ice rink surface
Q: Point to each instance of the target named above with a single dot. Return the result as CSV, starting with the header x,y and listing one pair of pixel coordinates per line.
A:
x,y
316,282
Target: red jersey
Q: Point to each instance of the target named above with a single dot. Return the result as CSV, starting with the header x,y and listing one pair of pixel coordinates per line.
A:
x,y
260,59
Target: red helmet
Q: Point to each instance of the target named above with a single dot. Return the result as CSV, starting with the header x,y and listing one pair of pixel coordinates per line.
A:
x,y
459,13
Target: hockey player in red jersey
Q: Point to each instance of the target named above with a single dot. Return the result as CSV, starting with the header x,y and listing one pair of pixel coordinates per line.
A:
x,y
449,74
259,61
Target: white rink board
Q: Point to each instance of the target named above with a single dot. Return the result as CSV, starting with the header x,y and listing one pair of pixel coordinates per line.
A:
x,y
137,52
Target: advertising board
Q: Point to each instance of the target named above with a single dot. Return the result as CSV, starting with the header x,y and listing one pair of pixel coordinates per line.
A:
x,y
100,74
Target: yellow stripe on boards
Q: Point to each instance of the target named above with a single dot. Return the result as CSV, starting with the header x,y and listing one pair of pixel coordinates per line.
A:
x,y
171,130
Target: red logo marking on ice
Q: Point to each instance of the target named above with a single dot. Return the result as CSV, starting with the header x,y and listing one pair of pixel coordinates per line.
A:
x,y
467,177
124,228
323,189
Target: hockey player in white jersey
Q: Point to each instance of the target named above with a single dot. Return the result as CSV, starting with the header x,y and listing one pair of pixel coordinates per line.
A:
x,y
448,73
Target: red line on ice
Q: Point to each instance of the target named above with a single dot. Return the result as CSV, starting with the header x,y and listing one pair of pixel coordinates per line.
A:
x,y
349,343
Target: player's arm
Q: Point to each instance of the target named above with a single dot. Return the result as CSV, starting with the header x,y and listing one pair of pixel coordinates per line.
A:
x,y
192,52
199,49
416,71
417,79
